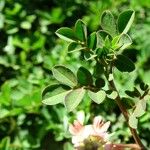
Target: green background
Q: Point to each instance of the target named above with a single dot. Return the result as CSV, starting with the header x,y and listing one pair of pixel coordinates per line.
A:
x,y
29,49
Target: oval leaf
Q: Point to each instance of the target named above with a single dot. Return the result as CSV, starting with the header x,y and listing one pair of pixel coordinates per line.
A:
x,y
112,95
97,97
125,21
66,34
133,121
73,98
101,36
81,30
73,47
124,64
64,75
84,76
92,41
108,23
54,94
124,41
140,108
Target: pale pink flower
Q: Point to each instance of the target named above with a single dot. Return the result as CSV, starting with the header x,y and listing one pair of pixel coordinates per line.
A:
x,y
96,130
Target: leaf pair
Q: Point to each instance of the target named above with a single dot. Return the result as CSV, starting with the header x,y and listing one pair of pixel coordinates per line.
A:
x,y
55,94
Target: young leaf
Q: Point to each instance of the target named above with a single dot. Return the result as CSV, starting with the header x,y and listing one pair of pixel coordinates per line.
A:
x,y
73,98
133,121
124,41
66,34
107,42
81,30
125,21
84,76
124,64
108,23
97,97
54,94
74,46
64,75
92,41
101,36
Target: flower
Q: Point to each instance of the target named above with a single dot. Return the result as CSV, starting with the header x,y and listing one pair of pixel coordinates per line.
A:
x,y
96,132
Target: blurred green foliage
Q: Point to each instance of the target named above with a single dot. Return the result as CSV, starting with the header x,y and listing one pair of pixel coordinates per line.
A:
x,y
29,49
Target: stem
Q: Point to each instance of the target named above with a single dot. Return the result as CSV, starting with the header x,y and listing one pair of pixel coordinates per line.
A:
x,y
123,109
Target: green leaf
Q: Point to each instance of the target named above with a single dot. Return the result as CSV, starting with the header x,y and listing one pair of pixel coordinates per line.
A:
x,y
143,86
101,36
124,64
134,93
98,70
97,97
124,41
108,23
128,102
64,75
140,108
100,82
92,41
74,46
84,76
133,121
107,42
81,30
66,34
54,94
25,25
73,98
125,21
112,94
5,143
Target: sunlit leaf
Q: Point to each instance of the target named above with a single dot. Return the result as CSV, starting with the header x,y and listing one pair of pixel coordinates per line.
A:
x,y
73,98
66,34
125,21
108,23
97,97
64,75
54,94
81,30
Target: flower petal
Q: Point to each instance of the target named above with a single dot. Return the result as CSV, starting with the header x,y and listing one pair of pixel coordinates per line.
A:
x,y
105,127
76,128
